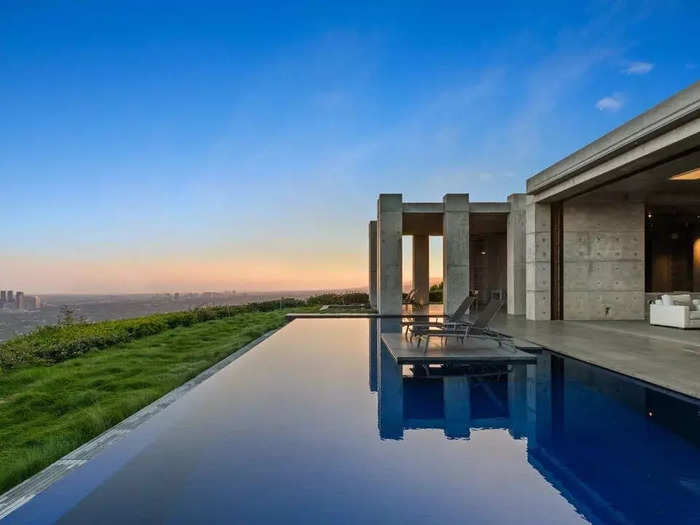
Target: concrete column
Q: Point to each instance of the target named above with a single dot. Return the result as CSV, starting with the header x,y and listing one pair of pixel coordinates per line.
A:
x,y
457,406
543,399
538,261
515,254
389,232
455,250
373,264
421,262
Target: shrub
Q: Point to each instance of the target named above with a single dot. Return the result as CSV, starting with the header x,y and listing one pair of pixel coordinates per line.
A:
x,y
334,298
435,296
53,344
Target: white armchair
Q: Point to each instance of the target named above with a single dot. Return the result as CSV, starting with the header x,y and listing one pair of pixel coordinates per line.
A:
x,y
678,311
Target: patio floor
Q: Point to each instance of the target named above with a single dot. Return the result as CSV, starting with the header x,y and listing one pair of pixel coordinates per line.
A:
x,y
473,350
666,357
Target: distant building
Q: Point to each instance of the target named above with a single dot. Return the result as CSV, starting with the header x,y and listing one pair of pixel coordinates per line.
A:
x,y
3,296
19,300
35,302
10,297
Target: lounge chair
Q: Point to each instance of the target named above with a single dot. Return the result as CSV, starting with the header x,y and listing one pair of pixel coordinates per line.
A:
x,y
479,328
410,297
459,318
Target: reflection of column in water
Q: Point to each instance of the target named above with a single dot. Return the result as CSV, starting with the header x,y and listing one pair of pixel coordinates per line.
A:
x,y
531,404
457,406
390,405
543,398
388,373
390,325
373,335
517,400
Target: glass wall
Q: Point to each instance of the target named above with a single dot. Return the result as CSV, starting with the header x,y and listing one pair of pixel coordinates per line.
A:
x,y
672,252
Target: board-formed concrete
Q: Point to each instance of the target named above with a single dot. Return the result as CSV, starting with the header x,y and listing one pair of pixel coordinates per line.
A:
x,y
538,265
389,254
603,253
455,250
515,258
421,262
373,264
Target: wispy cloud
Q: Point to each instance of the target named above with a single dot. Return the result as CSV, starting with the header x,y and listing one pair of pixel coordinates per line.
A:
x,y
611,103
691,65
638,68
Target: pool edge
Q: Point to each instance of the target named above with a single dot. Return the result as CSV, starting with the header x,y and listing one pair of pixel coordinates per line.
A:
x,y
25,491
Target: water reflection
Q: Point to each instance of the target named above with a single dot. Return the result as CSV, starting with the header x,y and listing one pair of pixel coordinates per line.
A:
x,y
618,451
290,432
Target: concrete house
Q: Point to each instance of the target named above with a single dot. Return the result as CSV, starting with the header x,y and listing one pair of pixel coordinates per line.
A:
x,y
595,236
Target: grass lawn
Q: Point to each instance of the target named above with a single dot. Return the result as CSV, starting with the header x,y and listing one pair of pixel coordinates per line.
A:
x,y
47,411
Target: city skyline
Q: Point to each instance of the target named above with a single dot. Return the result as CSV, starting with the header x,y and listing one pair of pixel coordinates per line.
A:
x,y
190,148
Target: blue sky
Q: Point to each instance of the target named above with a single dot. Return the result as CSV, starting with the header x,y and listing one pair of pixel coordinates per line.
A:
x,y
201,145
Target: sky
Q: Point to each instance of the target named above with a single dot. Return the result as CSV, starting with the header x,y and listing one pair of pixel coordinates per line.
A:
x,y
189,146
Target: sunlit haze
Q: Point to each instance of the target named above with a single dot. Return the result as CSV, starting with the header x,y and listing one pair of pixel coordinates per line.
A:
x,y
218,147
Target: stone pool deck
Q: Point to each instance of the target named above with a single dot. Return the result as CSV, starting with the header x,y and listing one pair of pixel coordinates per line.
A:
x,y
666,357
473,350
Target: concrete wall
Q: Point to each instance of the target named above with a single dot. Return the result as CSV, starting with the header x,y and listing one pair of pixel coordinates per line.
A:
x,y
603,260
538,243
487,271
515,254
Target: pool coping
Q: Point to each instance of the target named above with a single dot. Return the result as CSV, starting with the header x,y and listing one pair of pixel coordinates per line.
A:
x,y
350,315
25,491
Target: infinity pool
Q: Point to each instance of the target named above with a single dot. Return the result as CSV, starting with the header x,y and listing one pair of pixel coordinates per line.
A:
x,y
319,425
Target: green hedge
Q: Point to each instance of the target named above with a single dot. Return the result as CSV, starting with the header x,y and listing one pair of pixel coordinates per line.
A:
x,y
435,296
334,298
52,344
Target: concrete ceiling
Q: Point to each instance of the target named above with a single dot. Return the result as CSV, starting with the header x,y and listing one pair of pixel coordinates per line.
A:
x,y
486,223
653,185
422,223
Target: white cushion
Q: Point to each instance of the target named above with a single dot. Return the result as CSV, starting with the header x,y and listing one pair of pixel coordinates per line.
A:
x,y
658,301
682,299
666,300
694,314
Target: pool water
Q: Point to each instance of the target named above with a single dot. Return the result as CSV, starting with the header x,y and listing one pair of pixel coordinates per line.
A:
x,y
319,425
